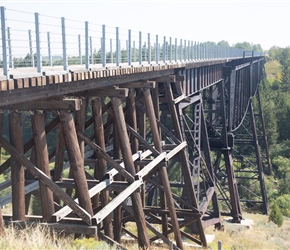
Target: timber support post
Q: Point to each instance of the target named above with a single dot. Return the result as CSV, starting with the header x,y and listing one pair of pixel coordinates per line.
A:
x,y
143,239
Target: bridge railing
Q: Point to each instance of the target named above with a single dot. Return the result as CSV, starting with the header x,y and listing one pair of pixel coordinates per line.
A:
x,y
37,41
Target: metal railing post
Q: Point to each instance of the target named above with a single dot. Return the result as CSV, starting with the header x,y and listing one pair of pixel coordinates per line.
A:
x,y
170,52
87,45
175,50
64,54
180,52
117,47
149,49
48,50
38,48
134,52
156,50
80,50
4,44
164,49
140,47
111,50
11,63
104,46
129,48
91,51
185,50
30,48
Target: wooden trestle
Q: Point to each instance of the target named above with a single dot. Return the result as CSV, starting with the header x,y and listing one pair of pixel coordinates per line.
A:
x,y
136,151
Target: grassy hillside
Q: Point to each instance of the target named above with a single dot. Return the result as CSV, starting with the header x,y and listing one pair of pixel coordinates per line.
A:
x,y
262,235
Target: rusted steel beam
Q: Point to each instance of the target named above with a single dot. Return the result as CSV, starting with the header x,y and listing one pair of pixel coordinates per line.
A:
x,y
76,160
259,160
101,169
226,151
17,169
189,186
42,162
143,239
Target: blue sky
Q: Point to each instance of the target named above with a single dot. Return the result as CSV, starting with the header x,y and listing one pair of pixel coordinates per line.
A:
x,y
263,22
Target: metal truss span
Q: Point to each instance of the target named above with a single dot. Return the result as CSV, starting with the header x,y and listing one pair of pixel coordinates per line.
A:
x,y
154,149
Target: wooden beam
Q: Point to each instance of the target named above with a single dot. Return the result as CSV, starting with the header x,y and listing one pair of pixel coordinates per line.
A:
x,y
67,104
17,169
104,92
42,162
101,169
140,84
45,179
169,79
76,160
143,239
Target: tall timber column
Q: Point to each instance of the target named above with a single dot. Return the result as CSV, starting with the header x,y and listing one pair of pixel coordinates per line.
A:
x,y
162,170
76,160
17,169
2,231
101,168
120,124
42,162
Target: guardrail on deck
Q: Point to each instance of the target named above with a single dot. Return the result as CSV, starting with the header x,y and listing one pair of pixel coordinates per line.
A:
x,y
34,40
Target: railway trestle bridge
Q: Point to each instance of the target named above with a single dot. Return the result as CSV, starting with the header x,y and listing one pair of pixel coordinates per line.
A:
x,y
171,143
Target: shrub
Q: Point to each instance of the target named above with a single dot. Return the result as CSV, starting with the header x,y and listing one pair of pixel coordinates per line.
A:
x,y
276,215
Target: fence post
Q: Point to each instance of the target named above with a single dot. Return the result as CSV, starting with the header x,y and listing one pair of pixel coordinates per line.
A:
x,y
80,50
11,63
104,46
220,246
30,48
149,50
38,48
129,48
64,55
49,51
87,44
140,47
4,44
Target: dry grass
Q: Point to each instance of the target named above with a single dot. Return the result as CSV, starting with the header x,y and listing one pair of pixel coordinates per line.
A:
x,y
262,235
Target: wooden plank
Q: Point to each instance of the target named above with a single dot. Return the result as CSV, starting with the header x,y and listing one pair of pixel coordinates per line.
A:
x,y
60,214
3,85
98,217
45,179
149,167
176,150
66,104
206,200
28,189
